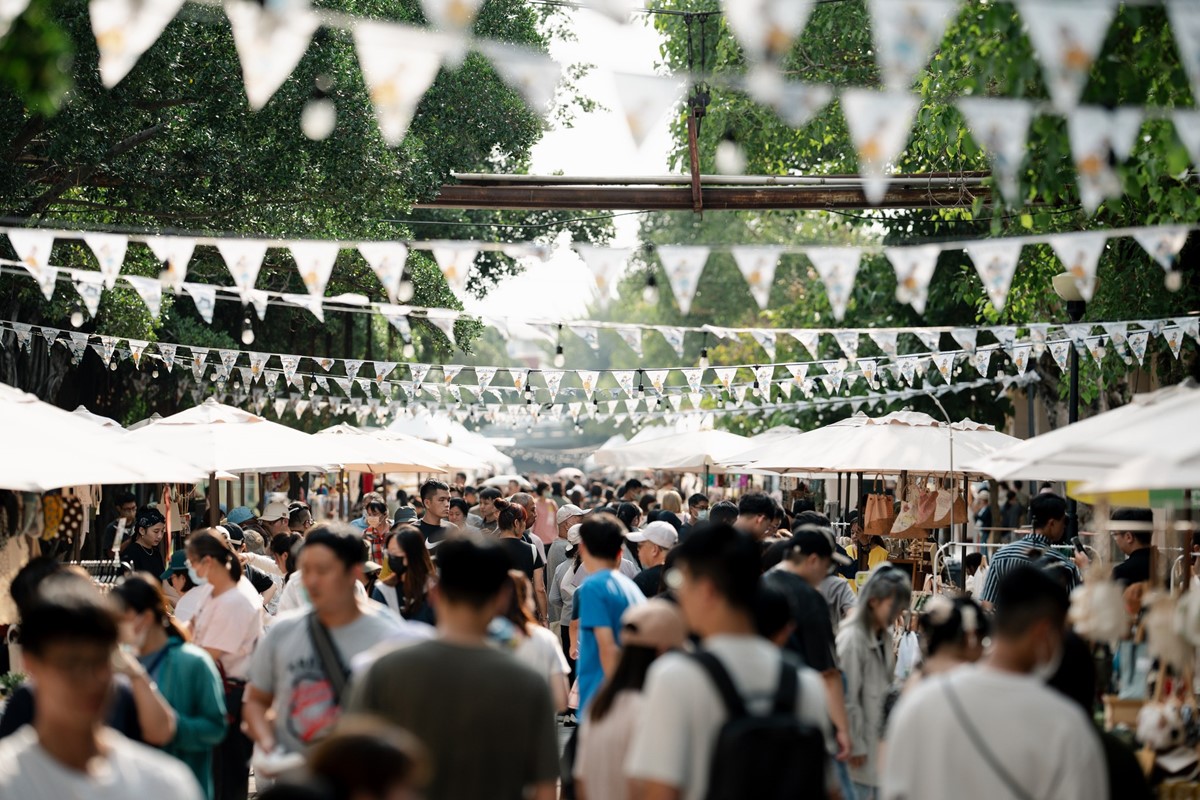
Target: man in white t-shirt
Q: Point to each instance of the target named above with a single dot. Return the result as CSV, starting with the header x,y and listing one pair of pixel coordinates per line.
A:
x,y
716,579
995,728
69,634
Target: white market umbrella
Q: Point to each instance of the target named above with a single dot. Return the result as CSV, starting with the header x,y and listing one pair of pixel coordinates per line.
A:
x,y
501,481
102,421
223,438
571,474
441,455
896,442
1148,473
1164,424
695,451
47,448
359,451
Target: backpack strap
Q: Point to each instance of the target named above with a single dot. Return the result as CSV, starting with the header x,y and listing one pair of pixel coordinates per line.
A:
x,y
734,705
789,688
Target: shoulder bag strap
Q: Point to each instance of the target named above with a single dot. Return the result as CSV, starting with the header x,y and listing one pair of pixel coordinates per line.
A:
x,y
789,688
331,661
720,677
980,745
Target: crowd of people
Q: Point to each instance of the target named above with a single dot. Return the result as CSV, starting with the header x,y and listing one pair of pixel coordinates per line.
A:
x,y
576,641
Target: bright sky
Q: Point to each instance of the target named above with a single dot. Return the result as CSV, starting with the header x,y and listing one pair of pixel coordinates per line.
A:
x,y
599,144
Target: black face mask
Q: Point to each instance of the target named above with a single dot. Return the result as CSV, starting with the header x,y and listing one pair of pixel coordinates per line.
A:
x,y
397,565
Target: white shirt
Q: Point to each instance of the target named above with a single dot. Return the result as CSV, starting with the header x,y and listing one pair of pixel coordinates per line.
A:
x,y
1044,741
542,650
129,770
604,746
232,624
683,712
295,597
190,603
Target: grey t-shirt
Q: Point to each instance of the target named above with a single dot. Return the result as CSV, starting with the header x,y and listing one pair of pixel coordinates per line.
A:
x,y
840,597
286,665
486,719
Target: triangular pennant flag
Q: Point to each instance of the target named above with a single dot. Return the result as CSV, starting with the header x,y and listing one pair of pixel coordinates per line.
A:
x,y
1163,243
1118,335
966,337
325,363
1067,37
906,34
280,405
908,368
589,333
399,65
632,336
696,399
270,378
77,347
228,359
1060,349
269,44
1152,325
914,268
535,75
739,394
931,339
174,252
1078,333
315,305
352,367
763,377
694,377
109,249
794,102
1138,340
455,391
244,259
484,375
1037,336
450,372
725,376
995,261
1189,325
766,340
837,267
384,368
624,380
167,353
47,278
674,337
658,379
314,260
945,364
300,407
124,29
1000,126
199,361
32,246
50,335
1080,253
1096,348
345,384
879,124
683,265
419,371
451,15
90,287
387,260
848,342
364,384
1006,335
150,290
799,373
588,379
766,29
257,362
1100,138
290,364
809,339
1020,356
520,378
757,265
24,334
136,348
106,348
205,298
553,379
1174,339
1185,27
645,99
246,375
676,401
885,341
455,263
981,360
607,265
868,367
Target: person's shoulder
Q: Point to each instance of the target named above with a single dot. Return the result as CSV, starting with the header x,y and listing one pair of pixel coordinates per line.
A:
x,y
156,771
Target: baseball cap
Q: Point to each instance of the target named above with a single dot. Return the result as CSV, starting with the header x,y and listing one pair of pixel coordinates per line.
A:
x,y
275,510
655,623
666,516
240,515
178,564
573,535
233,531
568,511
405,515
370,567
811,539
660,533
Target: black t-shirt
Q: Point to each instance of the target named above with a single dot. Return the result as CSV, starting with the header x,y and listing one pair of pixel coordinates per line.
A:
x,y
122,713
432,533
1134,569
143,561
260,580
649,580
524,555
813,638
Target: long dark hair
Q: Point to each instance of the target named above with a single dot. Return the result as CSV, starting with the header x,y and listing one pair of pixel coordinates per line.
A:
x,y
287,544
420,567
205,544
630,674
141,592
518,602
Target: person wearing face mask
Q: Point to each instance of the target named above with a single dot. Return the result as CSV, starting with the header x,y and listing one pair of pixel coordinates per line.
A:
x,y
185,674
142,551
406,590
1048,517
376,531
938,749
697,512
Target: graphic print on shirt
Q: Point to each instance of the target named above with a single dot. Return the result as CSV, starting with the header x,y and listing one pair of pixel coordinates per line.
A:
x,y
312,709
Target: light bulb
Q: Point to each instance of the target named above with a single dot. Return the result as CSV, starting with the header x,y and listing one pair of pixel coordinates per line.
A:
x,y
312,388
650,293
1174,280
559,358
318,119
409,351
76,318
154,372
404,291
113,365
703,363
247,328
730,158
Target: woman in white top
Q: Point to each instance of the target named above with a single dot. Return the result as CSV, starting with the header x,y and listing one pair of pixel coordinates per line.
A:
x,y
228,626
535,644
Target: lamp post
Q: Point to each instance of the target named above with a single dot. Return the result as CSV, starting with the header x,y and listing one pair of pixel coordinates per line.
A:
x,y
1066,288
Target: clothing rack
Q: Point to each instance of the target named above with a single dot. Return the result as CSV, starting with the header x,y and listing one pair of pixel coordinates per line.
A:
x,y
104,574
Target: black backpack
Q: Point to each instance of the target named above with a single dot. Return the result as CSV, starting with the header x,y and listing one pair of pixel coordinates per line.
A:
x,y
774,755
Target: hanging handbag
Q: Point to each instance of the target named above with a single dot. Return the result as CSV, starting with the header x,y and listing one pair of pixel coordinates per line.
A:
x,y
880,515
905,524
949,508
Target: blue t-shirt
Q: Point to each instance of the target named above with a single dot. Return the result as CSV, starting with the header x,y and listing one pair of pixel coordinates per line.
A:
x,y
599,603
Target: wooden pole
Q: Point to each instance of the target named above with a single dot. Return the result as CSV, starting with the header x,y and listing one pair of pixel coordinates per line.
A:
x,y
214,500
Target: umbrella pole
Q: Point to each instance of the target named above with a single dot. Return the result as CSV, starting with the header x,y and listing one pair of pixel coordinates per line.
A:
x,y
838,496
242,491
214,500
344,486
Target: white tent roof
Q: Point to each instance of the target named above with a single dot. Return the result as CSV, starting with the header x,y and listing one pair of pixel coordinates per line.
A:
x,y
443,430
683,452
103,422
47,448
359,451
427,452
902,440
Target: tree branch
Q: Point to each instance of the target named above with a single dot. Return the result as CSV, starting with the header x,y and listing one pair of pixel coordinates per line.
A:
x,y
42,202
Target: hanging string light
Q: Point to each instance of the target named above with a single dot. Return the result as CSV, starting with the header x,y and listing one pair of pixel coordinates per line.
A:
x,y
247,327
703,363
559,358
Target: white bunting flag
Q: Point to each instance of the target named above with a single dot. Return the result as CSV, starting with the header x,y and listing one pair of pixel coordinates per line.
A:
x,y
1152,325
694,377
364,384
763,376
914,268
124,29
725,376
1000,126
1163,243
9,11
633,337
270,379
838,267
885,341
290,365
455,391
869,369
624,379
535,75
352,367
908,368
1037,337
33,247
1020,356
174,252
136,348
109,249
795,103
387,260
244,258
590,334
966,337
418,372
607,265
676,401
945,364
455,263
90,286
484,375
1174,339
766,28
1006,335
1189,325
399,64
1080,253
1067,37
553,379
848,342
1060,349
269,44
683,265
1078,333
658,379
314,260
198,362
1185,28
588,378
739,394
1118,334
996,262
757,265
766,340
77,346
879,124
808,339
1138,341
520,378
1098,138
1096,348
384,368
451,15
324,363
906,33
300,407
315,305
47,280
645,99
674,338
443,321
833,377
149,289
106,348
345,384
257,362
981,360
931,339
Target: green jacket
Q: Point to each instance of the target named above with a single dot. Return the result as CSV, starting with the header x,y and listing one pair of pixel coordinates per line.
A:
x,y
191,685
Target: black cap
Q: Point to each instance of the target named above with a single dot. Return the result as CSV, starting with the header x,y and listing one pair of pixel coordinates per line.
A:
x,y
234,532
810,539
669,517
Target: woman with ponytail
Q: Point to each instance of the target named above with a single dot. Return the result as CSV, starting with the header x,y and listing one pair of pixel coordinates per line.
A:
x,y
511,524
185,674
228,626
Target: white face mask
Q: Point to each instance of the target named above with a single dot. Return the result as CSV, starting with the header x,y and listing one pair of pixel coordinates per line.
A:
x,y
1046,670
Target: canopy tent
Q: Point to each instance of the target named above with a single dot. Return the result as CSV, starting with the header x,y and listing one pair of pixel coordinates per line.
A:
x,y
103,422
897,442
1150,474
49,448
440,456
501,482
359,451
698,451
571,474
1167,421
445,431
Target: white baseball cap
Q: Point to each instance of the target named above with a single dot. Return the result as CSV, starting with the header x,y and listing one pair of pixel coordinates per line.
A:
x,y
275,510
660,533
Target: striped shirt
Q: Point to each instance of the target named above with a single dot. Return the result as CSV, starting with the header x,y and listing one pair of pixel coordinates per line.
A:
x,y
1014,554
